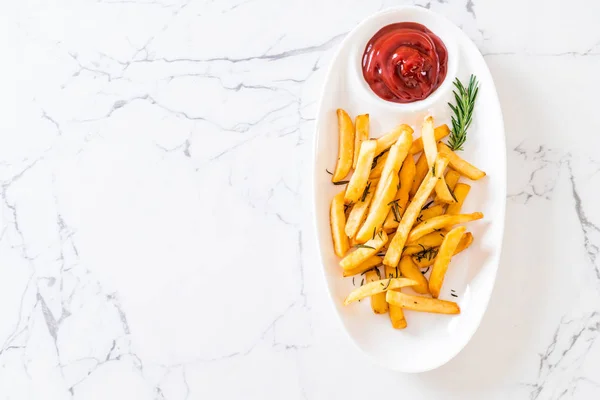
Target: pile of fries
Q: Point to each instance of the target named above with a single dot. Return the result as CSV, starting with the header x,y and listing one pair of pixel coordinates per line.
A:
x,y
399,213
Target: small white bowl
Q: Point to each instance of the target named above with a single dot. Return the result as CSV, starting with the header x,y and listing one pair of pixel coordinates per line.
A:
x,y
365,31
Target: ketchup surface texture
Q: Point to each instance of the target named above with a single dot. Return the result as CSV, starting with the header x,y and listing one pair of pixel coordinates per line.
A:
x,y
404,62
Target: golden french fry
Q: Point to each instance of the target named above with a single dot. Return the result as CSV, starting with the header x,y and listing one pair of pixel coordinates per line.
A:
x,y
443,192
440,132
443,221
411,271
361,124
392,257
379,286
378,303
451,181
434,239
337,220
460,165
420,303
358,181
379,162
430,147
460,192
396,313
359,210
442,260
378,210
364,251
397,317
390,237
365,266
427,258
387,140
429,142
452,178
407,174
428,213
346,146
421,171
396,157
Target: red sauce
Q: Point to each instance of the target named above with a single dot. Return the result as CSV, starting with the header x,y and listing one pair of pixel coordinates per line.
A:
x,y
404,62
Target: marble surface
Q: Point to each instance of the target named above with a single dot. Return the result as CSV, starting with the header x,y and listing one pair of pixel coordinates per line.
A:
x,y
155,230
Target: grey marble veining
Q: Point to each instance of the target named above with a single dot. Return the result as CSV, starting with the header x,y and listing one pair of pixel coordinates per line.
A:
x,y
155,233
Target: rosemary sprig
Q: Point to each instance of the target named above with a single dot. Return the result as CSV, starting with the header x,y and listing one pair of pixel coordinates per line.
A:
x,y
364,246
395,209
427,254
388,284
365,192
463,112
376,159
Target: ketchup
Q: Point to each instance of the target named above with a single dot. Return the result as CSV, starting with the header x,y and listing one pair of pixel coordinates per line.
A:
x,y
404,62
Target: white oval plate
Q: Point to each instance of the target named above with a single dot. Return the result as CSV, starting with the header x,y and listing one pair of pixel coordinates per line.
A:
x,y
430,340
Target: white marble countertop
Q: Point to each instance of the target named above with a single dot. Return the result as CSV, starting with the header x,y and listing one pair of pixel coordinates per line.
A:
x,y
155,232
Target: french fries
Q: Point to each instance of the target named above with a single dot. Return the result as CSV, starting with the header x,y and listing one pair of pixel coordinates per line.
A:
x,y
398,205
411,271
427,258
378,303
443,221
392,256
451,181
444,194
358,181
421,171
364,251
440,132
396,313
346,146
337,219
430,149
442,260
429,142
378,286
420,303
379,162
359,210
460,192
460,165
361,123
390,237
452,178
386,141
378,210
396,156
431,212
364,266
380,214
387,186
